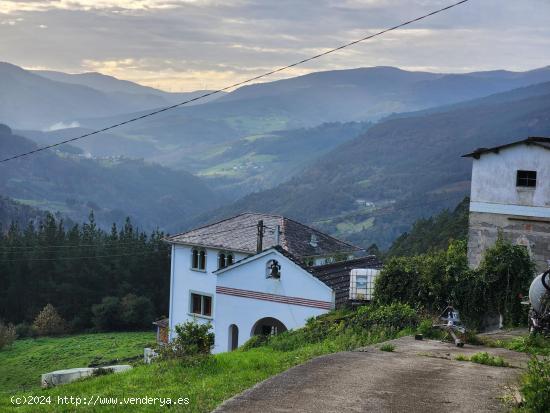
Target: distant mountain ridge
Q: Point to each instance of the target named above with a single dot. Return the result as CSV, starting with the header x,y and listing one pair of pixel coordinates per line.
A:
x,y
372,188
153,196
45,99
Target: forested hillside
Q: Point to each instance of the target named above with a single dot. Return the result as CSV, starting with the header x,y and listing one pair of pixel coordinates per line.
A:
x,y
74,268
371,189
12,211
434,233
114,187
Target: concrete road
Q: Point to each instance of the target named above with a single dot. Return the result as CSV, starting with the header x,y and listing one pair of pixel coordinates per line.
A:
x,y
419,376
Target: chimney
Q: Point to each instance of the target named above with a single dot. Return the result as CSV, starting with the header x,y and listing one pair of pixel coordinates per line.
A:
x,y
260,238
277,234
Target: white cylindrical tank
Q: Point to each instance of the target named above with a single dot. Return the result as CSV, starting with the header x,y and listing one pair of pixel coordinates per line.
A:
x,y
536,293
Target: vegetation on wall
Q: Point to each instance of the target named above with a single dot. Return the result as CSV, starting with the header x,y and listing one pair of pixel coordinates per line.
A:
x,y
81,271
434,280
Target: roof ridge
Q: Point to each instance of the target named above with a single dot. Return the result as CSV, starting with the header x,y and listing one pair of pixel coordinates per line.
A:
x,y
322,233
208,225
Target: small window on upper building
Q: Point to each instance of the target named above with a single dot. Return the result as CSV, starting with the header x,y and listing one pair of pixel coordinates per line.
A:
x,y
201,304
198,259
526,179
225,259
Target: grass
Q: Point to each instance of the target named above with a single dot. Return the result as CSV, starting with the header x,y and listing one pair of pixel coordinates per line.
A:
x,y
22,364
533,344
484,358
209,382
387,347
206,384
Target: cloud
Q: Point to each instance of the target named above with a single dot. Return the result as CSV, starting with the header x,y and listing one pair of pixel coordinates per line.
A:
x,y
61,125
182,45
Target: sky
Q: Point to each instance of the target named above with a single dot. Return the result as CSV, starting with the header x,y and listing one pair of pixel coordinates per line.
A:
x,y
184,45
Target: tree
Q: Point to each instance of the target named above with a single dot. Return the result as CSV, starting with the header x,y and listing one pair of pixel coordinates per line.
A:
x,y
49,323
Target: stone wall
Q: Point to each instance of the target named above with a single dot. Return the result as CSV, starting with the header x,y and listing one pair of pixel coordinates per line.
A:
x,y
532,232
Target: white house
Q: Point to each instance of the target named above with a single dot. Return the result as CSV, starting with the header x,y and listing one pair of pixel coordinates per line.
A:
x,y
511,194
257,274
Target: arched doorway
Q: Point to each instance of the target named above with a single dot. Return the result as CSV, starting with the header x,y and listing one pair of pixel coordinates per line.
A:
x,y
233,337
267,326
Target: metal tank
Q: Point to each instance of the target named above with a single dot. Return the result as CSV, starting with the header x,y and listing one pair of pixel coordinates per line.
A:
x,y
539,297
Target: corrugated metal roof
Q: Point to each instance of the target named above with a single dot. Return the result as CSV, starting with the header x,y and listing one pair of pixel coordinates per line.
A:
x,y
239,233
533,140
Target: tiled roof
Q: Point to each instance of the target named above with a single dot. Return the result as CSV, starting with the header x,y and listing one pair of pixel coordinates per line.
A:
x,y
533,140
239,233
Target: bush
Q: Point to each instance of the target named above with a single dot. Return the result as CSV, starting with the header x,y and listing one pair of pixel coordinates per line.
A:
x,y
432,281
49,323
136,311
193,342
396,316
254,342
387,347
484,358
7,335
106,315
25,330
535,386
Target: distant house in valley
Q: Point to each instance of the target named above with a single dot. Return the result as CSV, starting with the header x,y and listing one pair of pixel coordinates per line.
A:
x,y
262,274
511,194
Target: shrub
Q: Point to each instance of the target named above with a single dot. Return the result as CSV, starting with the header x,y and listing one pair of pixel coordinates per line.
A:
x,y
49,323
136,311
193,342
396,316
254,342
106,315
484,358
535,386
7,335
387,347
25,330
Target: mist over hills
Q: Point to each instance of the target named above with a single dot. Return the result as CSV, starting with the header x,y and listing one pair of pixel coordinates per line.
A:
x,y
359,153
407,167
153,196
50,100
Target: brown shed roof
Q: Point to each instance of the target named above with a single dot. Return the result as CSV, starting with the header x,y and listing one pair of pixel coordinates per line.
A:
x,y
239,233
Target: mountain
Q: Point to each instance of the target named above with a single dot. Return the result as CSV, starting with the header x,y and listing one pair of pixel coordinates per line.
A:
x,y
53,100
181,136
372,188
12,211
434,233
152,195
124,89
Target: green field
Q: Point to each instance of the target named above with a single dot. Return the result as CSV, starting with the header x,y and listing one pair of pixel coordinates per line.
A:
x,y
205,384
22,364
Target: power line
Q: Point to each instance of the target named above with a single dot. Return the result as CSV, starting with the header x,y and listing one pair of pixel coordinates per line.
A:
x,y
75,258
214,92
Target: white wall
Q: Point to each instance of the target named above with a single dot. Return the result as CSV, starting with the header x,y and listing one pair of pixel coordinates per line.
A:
x,y
244,312
185,280
494,181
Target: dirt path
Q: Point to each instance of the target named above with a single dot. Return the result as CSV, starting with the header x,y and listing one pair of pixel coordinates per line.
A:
x,y
419,376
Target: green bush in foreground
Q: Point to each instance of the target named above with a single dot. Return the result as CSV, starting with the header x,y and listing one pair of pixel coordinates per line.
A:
x,y
484,358
193,341
535,386
387,347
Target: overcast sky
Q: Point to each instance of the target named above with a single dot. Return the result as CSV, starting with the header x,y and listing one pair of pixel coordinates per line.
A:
x,y
190,44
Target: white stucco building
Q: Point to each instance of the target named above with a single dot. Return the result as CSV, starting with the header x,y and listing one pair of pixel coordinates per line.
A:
x,y
511,194
222,274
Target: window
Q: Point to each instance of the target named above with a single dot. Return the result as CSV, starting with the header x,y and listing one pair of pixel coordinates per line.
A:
x,y
198,259
201,304
526,179
225,259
